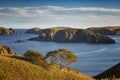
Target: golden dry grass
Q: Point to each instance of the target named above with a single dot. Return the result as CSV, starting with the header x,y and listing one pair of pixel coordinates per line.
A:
x,y
18,68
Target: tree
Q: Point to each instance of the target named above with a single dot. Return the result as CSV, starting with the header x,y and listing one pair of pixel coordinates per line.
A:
x,y
63,57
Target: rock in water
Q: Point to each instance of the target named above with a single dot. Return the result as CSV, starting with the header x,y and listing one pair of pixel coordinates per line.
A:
x,y
20,41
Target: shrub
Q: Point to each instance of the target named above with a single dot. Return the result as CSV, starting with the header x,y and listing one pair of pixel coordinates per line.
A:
x,y
35,57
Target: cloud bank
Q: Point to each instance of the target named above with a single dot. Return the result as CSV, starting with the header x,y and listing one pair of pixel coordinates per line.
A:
x,y
52,10
57,15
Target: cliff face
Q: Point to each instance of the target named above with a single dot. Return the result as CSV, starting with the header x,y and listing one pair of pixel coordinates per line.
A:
x,y
110,30
6,31
71,35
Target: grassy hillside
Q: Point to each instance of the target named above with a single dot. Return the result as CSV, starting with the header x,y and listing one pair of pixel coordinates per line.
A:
x,y
18,68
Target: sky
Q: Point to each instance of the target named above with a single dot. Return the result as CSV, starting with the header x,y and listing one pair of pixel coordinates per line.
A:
x,y
53,13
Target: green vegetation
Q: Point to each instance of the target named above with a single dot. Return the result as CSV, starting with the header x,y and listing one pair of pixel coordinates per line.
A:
x,y
63,57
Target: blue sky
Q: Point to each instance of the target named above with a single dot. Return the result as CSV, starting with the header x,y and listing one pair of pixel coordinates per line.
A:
x,y
51,13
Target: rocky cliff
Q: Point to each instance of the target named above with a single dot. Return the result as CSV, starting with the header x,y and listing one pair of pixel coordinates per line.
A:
x,y
6,31
63,34
110,30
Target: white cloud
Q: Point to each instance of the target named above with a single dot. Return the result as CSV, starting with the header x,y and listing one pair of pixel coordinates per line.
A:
x,y
97,9
1,8
55,10
56,15
19,11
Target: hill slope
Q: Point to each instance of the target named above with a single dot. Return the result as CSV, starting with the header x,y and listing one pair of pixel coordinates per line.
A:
x,y
15,69
113,72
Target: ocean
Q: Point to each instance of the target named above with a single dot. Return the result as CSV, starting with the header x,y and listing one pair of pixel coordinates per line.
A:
x,y
92,58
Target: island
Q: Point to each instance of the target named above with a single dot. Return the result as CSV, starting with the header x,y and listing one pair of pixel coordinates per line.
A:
x,y
109,30
66,34
6,31
33,31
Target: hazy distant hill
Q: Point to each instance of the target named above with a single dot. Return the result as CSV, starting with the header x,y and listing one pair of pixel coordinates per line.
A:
x,y
6,31
33,31
109,30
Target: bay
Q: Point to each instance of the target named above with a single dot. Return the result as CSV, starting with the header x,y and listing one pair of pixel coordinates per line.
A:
x,y
92,58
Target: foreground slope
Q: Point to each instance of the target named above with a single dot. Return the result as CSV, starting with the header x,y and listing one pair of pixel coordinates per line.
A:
x,y
14,69
113,72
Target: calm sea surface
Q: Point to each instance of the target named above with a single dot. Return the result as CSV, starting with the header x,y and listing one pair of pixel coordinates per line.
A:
x,y
92,58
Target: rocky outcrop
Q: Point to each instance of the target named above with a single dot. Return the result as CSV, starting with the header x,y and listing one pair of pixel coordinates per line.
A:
x,y
5,50
33,31
110,30
6,31
19,41
71,35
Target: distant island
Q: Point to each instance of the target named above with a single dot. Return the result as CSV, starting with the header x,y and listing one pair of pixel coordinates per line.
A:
x,y
66,34
6,31
109,30
35,30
